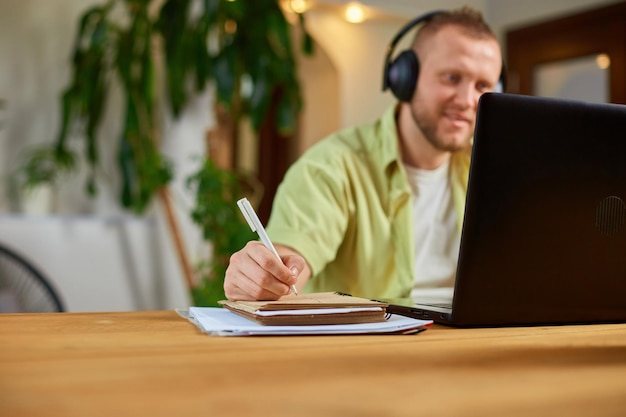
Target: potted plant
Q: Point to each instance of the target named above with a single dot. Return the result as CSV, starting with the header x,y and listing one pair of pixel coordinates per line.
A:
x,y
228,43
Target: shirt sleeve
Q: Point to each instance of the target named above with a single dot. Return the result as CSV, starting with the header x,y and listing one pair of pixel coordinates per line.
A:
x,y
310,212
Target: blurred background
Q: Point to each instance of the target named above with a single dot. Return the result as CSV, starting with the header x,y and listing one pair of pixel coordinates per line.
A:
x,y
101,256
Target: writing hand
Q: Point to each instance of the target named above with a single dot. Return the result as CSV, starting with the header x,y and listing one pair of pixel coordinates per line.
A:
x,y
254,273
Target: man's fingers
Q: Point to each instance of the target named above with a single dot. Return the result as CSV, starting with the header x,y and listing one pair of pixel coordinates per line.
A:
x,y
295,264
254,273
268,262
249,291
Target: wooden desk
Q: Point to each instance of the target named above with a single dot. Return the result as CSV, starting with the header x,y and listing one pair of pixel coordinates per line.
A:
x,y
158,364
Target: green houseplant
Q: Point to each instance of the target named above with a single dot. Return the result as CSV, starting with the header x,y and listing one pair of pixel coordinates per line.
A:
x,y
193,43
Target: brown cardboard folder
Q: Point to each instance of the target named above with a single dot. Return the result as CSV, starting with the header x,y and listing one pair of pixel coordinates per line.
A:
x,y
311,309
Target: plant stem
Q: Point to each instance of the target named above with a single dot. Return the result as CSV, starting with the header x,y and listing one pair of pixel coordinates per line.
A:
x,y
178,241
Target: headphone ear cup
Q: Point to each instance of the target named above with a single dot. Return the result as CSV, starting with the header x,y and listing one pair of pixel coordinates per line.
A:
x,y
402,75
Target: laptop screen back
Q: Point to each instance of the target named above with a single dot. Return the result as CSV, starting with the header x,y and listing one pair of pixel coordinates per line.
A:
x,y
544,237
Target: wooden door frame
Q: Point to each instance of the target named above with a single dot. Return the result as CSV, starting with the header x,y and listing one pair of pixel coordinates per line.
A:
x,y
275,155
601,30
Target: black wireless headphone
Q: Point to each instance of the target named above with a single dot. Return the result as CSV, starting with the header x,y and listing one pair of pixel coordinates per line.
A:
x,y
400,75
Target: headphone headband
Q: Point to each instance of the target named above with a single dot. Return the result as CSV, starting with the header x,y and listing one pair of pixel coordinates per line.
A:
x,y
392,45
400,74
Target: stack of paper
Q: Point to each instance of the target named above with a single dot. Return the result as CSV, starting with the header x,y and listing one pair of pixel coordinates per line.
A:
x,y
222,322
311,309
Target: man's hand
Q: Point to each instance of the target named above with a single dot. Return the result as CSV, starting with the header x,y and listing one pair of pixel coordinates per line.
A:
x,y
254,273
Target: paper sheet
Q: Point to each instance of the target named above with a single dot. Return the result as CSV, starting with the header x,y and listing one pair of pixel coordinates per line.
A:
x,y
221,322
304,312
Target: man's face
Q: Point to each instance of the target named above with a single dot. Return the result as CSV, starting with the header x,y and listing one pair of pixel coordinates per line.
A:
x,y
455,70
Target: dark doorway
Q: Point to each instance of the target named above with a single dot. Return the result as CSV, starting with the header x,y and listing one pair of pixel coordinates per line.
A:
x,y
595,32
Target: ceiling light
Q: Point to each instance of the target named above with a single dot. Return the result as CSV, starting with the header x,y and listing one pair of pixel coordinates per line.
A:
x,y
603,61
299,6
354,12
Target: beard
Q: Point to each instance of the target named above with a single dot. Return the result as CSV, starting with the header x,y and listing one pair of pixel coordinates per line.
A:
x,y
428,126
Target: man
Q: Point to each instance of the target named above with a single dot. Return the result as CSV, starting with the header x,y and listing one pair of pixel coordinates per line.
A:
x,y
376,210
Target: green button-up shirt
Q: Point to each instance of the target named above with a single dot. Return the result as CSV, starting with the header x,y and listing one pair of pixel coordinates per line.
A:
x,y
345,206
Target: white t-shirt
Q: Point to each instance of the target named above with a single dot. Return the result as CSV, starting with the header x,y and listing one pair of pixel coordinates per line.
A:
x,y
436,238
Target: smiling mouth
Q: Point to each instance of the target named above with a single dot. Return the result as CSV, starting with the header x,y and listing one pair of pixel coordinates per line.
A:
x,y
456,118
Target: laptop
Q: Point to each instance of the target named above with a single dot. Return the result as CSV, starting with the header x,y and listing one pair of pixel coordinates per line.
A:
x,y
544,232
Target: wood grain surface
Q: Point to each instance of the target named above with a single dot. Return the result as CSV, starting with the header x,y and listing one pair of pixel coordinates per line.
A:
x,y
156,363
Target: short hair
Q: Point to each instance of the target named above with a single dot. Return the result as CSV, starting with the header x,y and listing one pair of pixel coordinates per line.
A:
x,y
469,20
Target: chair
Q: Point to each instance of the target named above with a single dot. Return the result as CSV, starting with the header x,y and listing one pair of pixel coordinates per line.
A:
x,y
23,289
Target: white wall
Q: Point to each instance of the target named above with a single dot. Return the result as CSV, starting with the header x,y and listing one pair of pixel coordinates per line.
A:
x,y
320,115
84,253
99,263
357,52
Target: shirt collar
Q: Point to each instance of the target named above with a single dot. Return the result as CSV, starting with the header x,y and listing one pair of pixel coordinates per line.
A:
x,y
389,146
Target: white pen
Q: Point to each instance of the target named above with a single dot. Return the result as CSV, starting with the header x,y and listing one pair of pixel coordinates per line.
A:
x,y
256,226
